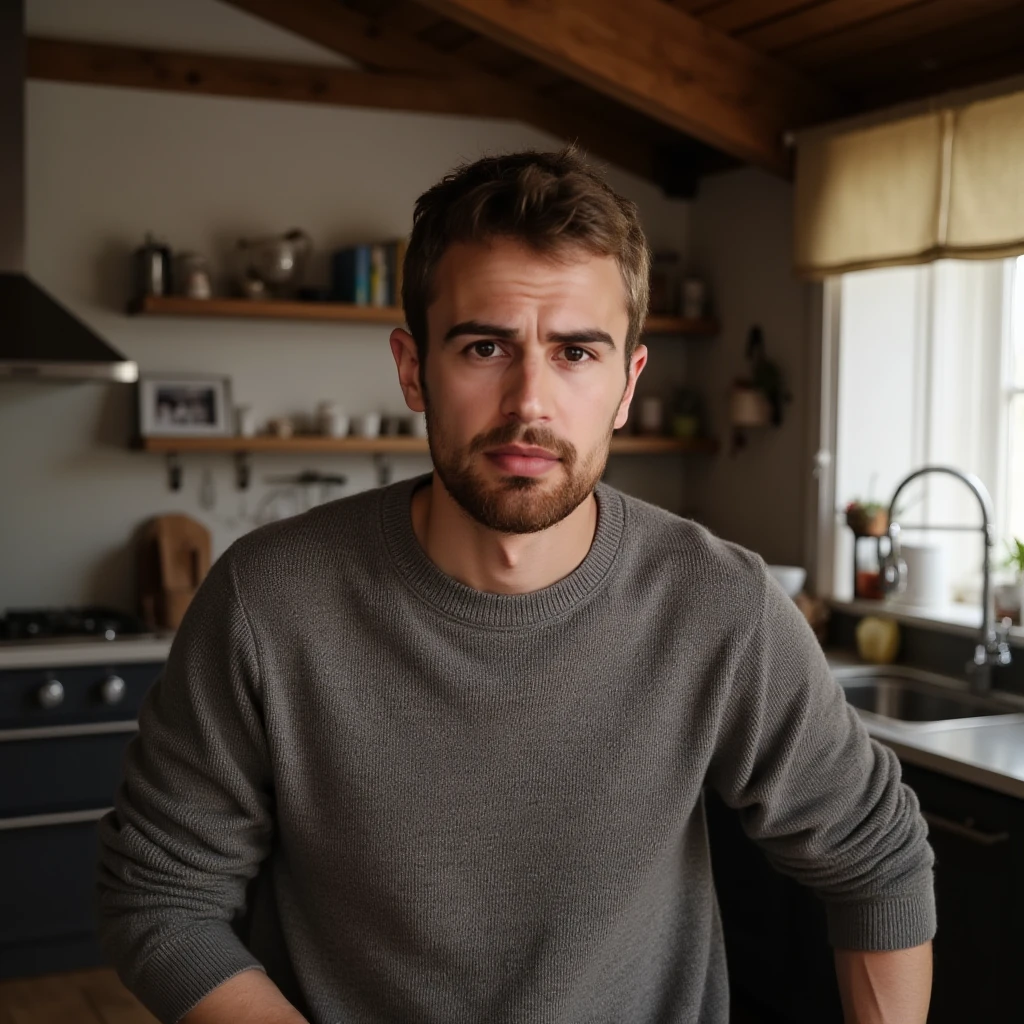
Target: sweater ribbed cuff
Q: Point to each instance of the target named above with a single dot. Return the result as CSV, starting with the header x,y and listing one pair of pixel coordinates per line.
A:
x,y
882,925
188,967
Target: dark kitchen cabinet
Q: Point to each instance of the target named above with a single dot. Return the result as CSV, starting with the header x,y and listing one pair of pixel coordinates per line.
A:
x,y
59,770
781,969
978,839
780,965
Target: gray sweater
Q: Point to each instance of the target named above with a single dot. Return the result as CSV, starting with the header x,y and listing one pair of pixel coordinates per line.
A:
x,y
409,800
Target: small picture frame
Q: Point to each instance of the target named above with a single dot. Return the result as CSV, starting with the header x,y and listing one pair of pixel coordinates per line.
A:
x,y
184,406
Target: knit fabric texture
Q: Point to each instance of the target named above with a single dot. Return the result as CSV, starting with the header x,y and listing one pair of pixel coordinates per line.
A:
x,y
409,800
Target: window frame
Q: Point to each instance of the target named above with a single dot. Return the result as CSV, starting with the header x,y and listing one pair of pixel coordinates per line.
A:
x,y
1002,390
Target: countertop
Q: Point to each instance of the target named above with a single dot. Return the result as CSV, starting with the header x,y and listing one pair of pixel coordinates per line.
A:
x,y
990,755
63,654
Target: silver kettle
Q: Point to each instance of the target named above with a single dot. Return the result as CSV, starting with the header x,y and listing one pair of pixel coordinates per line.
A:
x,y
272,265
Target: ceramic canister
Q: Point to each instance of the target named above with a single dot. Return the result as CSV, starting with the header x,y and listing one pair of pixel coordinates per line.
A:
x,y
927,576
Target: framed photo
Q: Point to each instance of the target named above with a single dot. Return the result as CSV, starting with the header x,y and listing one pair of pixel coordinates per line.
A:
x,y
184,406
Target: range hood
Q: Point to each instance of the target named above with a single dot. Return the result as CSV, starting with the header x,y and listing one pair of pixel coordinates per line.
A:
x,y
39,338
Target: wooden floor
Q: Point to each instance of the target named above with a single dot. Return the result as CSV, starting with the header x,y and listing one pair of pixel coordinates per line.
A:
x,y
78,997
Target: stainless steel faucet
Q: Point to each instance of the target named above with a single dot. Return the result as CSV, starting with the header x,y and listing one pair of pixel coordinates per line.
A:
x,y
992,648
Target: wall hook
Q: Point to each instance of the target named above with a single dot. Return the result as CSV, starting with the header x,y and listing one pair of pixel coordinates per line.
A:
x,y
243,471
174,471
383,464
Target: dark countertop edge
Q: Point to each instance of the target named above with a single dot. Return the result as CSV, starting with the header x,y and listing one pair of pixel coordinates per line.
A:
x,y
42,655
954,767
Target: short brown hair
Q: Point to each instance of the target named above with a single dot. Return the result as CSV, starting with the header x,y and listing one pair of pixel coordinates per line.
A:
x,y
549,201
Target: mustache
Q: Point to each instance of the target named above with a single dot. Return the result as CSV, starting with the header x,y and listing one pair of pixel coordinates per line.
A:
x,y
512,433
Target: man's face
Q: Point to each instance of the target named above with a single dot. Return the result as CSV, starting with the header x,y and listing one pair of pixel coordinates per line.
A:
x,y
525,350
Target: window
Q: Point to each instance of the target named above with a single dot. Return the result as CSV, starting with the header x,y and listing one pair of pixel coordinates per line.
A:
x,y
1014,398
931,372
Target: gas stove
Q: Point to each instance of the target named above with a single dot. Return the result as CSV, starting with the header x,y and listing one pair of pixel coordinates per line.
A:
x,y
54,625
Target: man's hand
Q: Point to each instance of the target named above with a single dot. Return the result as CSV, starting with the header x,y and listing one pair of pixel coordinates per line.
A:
x,y
885,988
251,997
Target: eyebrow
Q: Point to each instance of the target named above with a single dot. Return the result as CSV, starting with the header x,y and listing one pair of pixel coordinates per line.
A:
x,y
588,335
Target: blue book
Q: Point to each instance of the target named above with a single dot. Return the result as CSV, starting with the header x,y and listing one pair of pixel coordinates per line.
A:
x,y
390,255
362,275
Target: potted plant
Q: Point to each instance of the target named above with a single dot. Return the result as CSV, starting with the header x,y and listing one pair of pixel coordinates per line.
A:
x,y
685,413
1015,590
757,399
867,518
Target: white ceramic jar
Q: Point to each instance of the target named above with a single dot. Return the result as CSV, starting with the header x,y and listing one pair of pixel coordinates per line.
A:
x,y
245,421
366,425
332,419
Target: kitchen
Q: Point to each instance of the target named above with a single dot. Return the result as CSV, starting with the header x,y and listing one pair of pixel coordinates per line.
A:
x,y
205,155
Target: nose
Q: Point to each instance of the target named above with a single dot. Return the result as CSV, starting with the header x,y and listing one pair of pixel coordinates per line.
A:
x,y
526,394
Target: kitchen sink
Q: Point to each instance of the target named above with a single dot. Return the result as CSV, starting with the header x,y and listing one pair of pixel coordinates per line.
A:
x,y
921,699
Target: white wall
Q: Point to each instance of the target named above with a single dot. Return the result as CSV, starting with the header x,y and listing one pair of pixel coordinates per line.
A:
x,y
106,165
741,231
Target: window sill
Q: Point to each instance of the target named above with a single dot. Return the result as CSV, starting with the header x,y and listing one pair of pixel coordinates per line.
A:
x,y
961,619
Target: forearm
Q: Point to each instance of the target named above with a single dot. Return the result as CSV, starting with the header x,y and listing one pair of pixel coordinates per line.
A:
x,y
885,987
251,997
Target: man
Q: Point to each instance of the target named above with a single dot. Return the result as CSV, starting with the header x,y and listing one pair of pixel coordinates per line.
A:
x,y
435,752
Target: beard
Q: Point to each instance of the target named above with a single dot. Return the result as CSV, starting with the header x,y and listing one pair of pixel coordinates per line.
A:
x,y
515,504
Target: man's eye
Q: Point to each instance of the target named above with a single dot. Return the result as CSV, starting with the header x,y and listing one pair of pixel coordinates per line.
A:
x,y
581,356
482,348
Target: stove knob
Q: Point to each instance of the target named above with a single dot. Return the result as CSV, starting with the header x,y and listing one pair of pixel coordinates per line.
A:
x,y
113,690
51,693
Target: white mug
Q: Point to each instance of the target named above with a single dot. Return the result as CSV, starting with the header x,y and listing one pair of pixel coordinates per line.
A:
x,y
246,421
694,297
652,415
333,421
927,576
366,425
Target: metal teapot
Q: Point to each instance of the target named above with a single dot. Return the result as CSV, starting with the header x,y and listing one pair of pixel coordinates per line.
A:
x,y
272,265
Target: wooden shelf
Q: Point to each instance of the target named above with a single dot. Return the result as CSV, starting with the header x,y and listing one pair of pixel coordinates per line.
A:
x,y
402,445
281,309
271,309
636,445
659,324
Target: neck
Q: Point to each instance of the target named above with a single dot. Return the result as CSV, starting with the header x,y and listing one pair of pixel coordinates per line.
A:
x,y
498,563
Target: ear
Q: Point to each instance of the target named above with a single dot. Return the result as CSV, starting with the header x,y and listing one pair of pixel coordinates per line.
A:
x,y
403,348
637,361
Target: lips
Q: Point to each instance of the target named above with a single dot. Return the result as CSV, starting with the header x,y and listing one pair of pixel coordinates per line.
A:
x,y
524,453
523,461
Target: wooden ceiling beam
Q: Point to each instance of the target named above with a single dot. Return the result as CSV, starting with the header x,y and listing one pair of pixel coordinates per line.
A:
x,y
335,27
819,20
936,61
662,62
857,43
734,16
132,67
1009,63
382,43
695,6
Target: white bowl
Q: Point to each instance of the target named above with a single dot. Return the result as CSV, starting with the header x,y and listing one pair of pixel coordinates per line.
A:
x,y
791,577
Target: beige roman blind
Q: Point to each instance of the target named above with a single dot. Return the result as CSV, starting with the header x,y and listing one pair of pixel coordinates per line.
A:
x,y
946,183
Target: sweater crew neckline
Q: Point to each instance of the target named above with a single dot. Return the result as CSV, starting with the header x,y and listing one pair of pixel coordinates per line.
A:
x,y
481,608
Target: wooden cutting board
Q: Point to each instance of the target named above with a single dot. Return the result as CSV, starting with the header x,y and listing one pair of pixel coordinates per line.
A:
x,y
173,559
